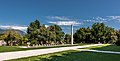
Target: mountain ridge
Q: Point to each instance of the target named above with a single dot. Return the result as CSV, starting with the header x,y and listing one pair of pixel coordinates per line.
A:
x,y
19,31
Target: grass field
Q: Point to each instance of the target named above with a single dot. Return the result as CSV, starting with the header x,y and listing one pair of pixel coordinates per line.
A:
x,y
74,55
106,48
16,48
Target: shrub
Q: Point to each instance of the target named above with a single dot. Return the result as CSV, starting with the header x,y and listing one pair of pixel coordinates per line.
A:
x,y
118,43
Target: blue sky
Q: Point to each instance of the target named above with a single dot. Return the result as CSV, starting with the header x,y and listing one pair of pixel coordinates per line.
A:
x,y
20,13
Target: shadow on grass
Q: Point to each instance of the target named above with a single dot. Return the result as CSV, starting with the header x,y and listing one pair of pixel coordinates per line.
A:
x,y
83,56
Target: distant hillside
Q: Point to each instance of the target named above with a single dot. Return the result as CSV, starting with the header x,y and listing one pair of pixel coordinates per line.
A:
x,y
2,30
19,31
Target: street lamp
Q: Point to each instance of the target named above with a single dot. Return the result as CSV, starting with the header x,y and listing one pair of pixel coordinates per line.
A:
x,y
71,34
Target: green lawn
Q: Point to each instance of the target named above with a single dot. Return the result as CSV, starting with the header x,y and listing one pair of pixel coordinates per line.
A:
x,y
16,48
106,48
72,55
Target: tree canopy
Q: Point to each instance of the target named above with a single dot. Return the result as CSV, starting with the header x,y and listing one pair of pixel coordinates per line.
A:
x,y
99,33
39,34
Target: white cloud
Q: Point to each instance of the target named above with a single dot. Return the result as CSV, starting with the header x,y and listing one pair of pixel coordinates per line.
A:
x,y
58,18
100,18
62,20
89,20
66,23
46,26
97,20
116,18
22,28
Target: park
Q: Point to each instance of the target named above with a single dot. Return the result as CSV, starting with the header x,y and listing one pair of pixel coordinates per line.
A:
x,y
42,43
59,30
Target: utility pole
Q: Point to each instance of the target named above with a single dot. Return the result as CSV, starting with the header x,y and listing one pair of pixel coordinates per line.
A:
x,y
71,34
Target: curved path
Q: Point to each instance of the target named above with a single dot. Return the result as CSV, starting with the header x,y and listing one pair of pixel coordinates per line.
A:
x,y
110,52
20,54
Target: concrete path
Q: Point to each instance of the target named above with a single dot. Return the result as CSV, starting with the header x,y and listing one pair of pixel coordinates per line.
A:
x,y
110,52
20,54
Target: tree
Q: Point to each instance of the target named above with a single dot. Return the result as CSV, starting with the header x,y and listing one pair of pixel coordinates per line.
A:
x,y
99,33
12,37
56,33
33,26
25,39
98,30
83,35
42,34
1,36
67,38
103,34
118,39
111,35
32,31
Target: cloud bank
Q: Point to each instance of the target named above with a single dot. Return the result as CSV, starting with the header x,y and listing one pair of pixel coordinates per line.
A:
x,y
58,18
114,18
68,21
96,20
62,20
22,28
111,21
65,23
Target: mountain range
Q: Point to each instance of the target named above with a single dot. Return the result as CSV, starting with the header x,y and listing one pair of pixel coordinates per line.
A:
x,y
19,31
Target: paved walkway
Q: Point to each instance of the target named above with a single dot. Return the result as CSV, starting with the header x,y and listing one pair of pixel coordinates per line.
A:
x,y
110,52
20,54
